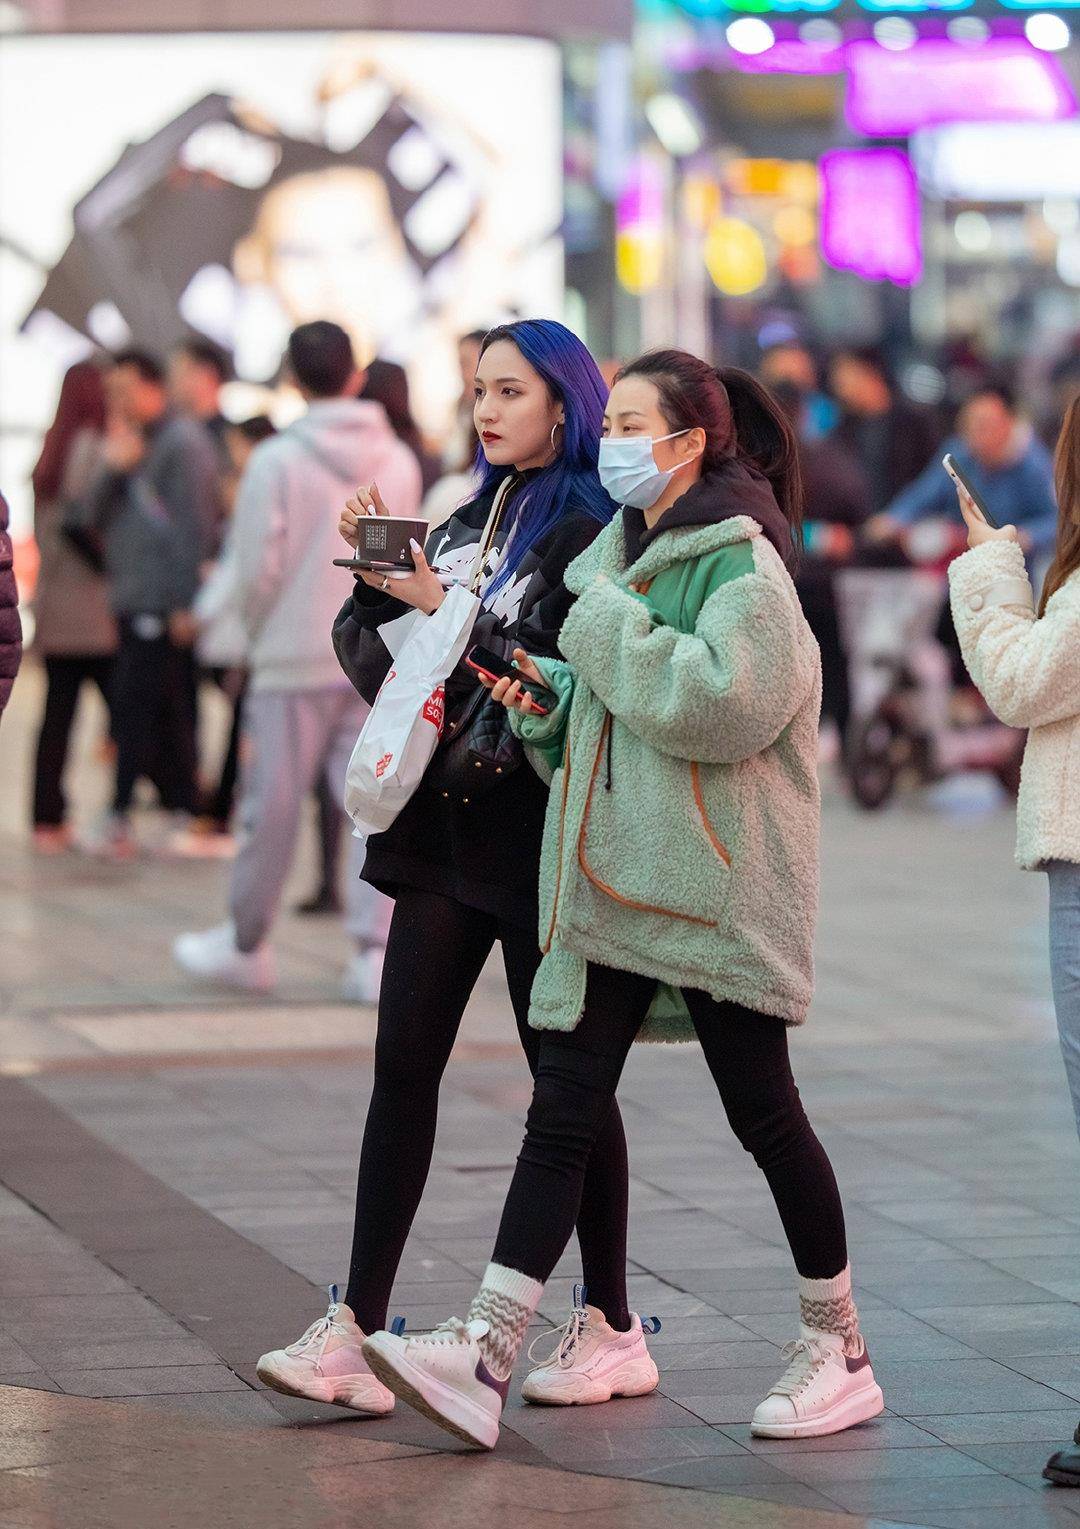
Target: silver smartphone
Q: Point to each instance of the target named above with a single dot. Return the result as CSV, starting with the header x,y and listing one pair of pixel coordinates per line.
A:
x,y
949,463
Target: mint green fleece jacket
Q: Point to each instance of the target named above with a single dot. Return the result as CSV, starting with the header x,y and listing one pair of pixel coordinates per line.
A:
x,y
681,838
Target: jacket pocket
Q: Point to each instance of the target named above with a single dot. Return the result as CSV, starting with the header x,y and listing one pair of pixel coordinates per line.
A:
x,y
648,841
703,813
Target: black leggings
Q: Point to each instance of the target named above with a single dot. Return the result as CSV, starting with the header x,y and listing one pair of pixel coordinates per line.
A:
x,y
153,714
435,953
66,676
576,1079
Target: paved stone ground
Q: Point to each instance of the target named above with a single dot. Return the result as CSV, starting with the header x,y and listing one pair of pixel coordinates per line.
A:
x,y
177,1172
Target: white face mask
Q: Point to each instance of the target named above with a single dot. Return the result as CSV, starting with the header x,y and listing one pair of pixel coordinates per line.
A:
x,y
628,469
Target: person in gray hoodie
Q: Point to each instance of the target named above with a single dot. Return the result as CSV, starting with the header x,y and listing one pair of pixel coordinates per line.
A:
x,y
301,713
154,511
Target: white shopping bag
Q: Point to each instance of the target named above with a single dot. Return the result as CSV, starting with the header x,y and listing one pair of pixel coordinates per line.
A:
x,y
404,725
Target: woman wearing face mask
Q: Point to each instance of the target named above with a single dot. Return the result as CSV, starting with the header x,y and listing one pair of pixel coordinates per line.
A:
x,y
463,865
680,872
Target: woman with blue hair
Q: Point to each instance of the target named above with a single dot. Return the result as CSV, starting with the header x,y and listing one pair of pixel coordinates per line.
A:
x,y
462,864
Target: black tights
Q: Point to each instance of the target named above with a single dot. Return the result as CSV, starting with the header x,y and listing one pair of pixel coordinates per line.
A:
x,y
435,953
66,676
576,1079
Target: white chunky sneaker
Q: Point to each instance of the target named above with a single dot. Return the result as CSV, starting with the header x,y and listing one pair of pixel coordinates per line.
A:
x,y
362,978
212,955
443,1375
327,1365
822,1390
592,1361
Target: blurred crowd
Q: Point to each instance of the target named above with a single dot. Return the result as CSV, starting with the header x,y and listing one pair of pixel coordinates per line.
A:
x,y
160,527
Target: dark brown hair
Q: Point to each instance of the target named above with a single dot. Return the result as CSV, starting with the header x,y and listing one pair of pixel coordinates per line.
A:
x,y
740,418
81,406
1067,484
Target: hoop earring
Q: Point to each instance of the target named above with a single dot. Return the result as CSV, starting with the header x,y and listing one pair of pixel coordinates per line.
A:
x,y
556,426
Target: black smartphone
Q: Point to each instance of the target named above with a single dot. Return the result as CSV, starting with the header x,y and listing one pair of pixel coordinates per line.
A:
x,y
491,666
949,463
359,565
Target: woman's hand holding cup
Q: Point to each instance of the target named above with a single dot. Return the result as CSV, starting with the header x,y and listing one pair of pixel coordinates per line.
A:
x,y
364,503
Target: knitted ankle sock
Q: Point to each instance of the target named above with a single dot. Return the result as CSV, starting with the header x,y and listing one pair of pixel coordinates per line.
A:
x,y
505,1301
826,1305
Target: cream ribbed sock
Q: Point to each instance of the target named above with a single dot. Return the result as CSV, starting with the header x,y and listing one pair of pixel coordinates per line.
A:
x,y
505,1301
826,1305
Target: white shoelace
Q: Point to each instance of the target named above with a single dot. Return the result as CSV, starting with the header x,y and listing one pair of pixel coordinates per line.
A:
x,y
453,1330
568,1336
807,1356
318,1334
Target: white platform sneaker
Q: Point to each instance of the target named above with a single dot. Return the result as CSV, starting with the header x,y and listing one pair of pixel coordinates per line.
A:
x,y
327,1365
212,954
822,1391
443,1375
362,978
592,1361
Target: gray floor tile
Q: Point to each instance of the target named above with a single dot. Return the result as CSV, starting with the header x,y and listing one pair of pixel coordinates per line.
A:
x,y
637,1445
963,1429
921,1389
824,1466
913,1497
149,1382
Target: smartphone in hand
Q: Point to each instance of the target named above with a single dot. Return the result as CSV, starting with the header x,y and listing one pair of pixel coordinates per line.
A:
x,y
950,465
491,666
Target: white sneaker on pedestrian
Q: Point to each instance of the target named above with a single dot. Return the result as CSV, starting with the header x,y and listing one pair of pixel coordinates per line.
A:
x,y
212,954
193,842
362,978
110,838
443,1375
591,1361
327,1365
822,1391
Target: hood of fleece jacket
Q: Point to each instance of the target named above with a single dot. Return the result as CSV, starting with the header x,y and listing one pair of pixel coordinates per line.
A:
x,y
727,492
351,437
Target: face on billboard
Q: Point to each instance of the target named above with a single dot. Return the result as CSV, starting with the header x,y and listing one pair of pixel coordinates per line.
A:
x,y
327,246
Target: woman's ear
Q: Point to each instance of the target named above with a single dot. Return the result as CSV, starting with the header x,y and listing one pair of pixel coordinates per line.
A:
x,y
694,442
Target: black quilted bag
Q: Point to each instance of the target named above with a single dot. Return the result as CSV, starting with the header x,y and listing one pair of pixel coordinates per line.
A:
x,y
477,751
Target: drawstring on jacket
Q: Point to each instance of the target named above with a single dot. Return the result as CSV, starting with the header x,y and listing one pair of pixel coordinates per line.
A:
x,y
607,783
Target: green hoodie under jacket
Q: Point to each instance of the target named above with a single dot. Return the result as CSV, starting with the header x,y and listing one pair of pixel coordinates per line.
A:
x,y
681,839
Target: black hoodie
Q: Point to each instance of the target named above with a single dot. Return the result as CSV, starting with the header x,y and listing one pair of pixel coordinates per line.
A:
x,y
734,488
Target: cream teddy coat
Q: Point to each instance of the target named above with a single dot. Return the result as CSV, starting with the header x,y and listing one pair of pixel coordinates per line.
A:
x,y
1029,671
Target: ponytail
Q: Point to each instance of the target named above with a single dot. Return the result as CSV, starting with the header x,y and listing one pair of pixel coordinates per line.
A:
x,y
765,439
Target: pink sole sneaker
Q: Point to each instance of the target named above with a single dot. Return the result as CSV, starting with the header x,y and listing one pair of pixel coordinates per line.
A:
x,y
360,1392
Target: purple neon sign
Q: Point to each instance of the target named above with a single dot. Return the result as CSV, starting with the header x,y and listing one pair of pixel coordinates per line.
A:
x,y
870,220
790,56
891,94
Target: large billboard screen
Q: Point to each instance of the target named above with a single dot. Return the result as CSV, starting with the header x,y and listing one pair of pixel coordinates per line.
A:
x,y
234,185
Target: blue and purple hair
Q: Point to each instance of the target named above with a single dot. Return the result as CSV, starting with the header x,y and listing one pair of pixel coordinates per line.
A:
x,y
571,481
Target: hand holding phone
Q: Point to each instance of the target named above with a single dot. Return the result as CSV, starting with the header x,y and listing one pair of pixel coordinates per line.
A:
x,y
954,471
507,681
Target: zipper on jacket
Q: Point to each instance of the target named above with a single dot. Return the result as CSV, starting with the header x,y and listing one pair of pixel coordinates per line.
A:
x,y
562,837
